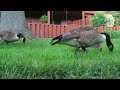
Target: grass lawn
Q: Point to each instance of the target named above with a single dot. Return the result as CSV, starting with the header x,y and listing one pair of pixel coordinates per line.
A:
x,y
37,59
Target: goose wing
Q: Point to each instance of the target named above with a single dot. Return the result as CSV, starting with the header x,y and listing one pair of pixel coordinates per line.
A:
x,y
88,37
81,32
70,35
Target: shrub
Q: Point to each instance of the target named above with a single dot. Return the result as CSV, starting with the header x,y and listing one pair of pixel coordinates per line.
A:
x,y
118,17
110,20
44,18
99,19
113,34
115,21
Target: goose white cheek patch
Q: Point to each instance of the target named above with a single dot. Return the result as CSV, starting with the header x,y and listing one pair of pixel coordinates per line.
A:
x,y
104,37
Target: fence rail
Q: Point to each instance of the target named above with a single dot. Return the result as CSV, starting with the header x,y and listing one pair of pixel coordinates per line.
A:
x,y
51,30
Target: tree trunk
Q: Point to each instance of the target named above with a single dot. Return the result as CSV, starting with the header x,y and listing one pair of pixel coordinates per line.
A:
x,y
15,21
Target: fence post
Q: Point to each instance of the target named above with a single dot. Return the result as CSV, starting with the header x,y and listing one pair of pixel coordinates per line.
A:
x,y
37,30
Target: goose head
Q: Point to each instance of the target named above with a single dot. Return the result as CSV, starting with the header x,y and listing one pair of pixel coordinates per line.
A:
x,y
21,36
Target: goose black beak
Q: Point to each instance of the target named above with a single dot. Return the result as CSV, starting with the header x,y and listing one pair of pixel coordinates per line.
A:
x,y
111,47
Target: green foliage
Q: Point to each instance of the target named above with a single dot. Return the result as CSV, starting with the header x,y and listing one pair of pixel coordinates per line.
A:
x,y
115,21
44,18
109,20
113,34
38,60
114,13
99,19
118,17
91,21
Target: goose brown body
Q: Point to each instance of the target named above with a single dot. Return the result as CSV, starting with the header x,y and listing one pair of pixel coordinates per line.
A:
x,y
9,36
83,37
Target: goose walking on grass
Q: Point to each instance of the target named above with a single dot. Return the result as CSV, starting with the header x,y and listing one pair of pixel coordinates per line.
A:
x,y
9,36
84,37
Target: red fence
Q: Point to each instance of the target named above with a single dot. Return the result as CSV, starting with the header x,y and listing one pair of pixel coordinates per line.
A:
x,y
76,22
51,30
102,28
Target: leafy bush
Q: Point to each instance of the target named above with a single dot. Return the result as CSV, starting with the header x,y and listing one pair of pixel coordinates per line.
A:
x,y
99,19
44,18
113,34
110,20
115,21
118,17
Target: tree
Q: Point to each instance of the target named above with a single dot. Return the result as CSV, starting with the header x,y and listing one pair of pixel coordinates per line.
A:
x,y
15,21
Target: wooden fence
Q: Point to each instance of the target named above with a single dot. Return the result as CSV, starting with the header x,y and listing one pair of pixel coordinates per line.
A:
x,y
52,30
76,22
102,28
49,30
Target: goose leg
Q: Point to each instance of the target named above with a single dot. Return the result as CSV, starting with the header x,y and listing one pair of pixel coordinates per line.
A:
x,y
100,49
98,46
7,43
84,49
77,49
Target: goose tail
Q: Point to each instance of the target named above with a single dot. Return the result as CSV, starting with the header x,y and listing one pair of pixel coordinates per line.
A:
x,y
58,38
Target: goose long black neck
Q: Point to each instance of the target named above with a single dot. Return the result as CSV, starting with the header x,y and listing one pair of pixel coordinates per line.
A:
x,y
108,41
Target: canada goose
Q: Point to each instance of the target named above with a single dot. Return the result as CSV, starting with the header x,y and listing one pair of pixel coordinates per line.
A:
x,y
9,36
84,37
